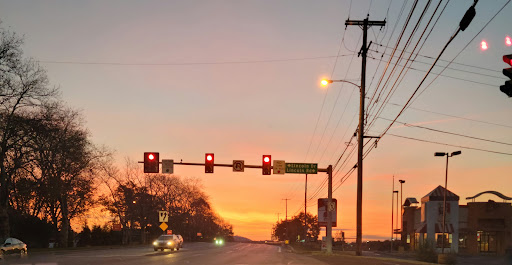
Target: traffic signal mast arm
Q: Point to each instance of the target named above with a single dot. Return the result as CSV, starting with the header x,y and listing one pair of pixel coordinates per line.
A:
x,y
229,165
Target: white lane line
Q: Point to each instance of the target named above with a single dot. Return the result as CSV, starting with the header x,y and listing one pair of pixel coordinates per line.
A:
x,y
279,250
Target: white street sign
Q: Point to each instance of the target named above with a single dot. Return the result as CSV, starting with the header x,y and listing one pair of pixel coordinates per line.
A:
x,y
238,165
167,166
279,167
323,208
163,216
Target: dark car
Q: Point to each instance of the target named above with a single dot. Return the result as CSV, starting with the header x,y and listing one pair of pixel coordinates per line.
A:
x,y
12,245
167,242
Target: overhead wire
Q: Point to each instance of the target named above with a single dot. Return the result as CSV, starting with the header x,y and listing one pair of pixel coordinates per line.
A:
x,y
486,24
382,134
446,132
407,43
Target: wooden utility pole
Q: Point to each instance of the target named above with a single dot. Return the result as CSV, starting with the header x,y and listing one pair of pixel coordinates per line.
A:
x,y
364,49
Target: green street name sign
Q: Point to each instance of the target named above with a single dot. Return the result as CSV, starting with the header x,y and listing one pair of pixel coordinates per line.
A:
x,y
301,168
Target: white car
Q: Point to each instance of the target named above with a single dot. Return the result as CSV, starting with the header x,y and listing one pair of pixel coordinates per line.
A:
x,y
167,242
12,245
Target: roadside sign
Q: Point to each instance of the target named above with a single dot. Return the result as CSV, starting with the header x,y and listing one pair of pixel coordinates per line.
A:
x,y
323,207
163,216
167,166
169,232
331,207
163,226
279,167
238,165
301,168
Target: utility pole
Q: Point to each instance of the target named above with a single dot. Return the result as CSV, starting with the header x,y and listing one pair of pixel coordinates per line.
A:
x,y
364,49
396,227
401,209
278,217
328,229
286,216
306,209
392,211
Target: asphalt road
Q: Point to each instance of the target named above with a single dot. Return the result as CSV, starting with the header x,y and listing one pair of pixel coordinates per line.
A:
x,y
191,253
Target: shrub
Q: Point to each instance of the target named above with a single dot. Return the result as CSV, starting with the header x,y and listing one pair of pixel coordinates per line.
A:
x,y
427,252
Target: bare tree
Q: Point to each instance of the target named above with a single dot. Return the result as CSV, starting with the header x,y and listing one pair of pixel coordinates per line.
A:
x,y
23,88
64,156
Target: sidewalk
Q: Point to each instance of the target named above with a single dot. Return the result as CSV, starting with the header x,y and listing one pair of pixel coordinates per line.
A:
x,y
349,257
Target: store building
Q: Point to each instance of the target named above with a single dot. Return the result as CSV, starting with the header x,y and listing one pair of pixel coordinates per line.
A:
x,y
475,228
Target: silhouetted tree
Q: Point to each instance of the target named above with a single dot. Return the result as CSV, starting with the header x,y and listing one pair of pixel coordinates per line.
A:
x,y
293,228
23,88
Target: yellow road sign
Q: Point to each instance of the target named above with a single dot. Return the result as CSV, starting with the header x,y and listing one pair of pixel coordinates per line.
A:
x,y
163,226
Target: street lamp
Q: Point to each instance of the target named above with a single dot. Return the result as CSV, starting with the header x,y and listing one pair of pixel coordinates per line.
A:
x,y
325,82
445,190
360,136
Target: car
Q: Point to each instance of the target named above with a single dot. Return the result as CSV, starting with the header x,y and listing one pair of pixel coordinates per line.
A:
x,y
12,245
166,242
180,240
219,241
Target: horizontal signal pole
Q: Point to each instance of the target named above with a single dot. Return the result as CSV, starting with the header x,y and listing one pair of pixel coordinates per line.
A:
x,y
227,165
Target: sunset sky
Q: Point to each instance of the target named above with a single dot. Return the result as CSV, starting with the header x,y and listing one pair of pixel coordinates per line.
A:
x,y
241,79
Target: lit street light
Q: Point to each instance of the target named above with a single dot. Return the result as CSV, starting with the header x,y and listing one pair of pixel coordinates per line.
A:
x,y
360,137
325,82
445,190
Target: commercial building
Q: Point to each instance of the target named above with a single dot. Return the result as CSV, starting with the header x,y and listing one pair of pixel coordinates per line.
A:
x,y
475,228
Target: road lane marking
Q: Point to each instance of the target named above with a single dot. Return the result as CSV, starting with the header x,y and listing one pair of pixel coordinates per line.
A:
x,y
279,250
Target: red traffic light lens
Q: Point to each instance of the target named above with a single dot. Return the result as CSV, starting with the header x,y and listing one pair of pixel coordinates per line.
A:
x,y
151,157
209,157
508,41
266,159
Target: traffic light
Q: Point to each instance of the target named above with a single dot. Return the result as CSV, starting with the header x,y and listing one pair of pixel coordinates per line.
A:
x,y
266,165
208,162
507,87
151,162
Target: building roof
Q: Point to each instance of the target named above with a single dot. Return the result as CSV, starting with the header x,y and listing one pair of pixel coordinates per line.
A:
x,y
409,201
490,192
438,193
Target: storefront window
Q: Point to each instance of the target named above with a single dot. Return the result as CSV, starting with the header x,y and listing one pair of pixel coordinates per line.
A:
x,y
447,240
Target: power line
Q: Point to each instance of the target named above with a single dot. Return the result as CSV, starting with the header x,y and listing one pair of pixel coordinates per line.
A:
x,y
451,68
191,63
445,132
398,79
452,77
486,24
460,146
454,116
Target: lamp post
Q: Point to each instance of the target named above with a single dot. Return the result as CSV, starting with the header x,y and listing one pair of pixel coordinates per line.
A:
x,y
392,225
360,136
396,226
401,208
445,190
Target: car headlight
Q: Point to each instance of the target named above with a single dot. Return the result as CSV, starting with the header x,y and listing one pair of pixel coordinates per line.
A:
x,y
155,243
169,243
